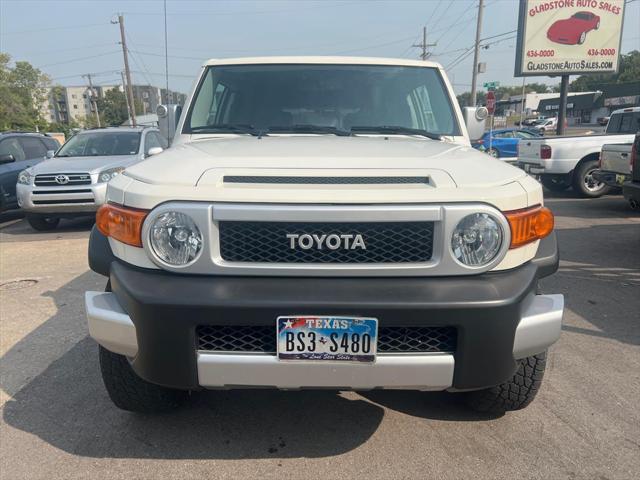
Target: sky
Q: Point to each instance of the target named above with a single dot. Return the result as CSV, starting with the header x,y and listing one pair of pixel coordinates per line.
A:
x,y
68,38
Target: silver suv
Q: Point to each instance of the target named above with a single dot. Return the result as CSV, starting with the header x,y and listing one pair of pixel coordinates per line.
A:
x,y
74,181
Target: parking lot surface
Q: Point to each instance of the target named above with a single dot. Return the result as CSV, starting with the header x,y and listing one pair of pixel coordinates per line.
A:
x,y
57,421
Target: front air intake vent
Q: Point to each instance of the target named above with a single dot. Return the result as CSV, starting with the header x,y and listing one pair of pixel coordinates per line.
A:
x,y
328,180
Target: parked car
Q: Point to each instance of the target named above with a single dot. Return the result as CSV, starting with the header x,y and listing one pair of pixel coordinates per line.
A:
x,y
573,30
603,121
74,181
569,161
20,150
631,188
528,122
304,231
614,167
503,143
544,125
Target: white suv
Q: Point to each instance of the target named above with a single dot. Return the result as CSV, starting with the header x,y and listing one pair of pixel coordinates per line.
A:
x,y
323,223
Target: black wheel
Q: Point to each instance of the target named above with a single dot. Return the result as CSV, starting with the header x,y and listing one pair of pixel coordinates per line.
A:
x,y
493,152
583,182
514,394
555,183
42,223
129,392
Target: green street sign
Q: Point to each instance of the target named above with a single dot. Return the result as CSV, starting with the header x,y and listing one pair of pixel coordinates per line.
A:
x,y
491,85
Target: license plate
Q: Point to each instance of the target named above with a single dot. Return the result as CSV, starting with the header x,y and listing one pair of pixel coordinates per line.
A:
x,y
620,179
337,339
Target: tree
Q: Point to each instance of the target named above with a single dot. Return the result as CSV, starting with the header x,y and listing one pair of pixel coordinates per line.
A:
x,y
113,107
629,71
23,89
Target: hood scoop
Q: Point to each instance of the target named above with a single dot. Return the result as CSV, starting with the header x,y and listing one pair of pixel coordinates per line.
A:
x,y
300,180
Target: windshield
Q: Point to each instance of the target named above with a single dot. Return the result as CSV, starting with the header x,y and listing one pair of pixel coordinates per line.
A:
x,y
329,99
92,144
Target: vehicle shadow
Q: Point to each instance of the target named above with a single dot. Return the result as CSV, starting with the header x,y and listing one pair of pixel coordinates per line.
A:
x,y
14,228
60,398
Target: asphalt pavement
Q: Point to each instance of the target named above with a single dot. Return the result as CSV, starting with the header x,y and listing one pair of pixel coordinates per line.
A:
x,y
57,421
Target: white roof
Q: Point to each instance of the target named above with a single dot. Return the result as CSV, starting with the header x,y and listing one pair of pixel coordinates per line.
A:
x,y
322,60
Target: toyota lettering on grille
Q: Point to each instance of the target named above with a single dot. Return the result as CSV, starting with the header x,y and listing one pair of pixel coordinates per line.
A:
x,y
345,241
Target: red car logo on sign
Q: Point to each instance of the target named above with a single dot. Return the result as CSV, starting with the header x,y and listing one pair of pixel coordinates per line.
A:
x,y
573,30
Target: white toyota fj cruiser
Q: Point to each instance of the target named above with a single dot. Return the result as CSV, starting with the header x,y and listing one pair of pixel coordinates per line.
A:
x,y
323,223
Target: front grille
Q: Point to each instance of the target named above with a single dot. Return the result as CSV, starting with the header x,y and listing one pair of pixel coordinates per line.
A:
x,y
61,192
262,339
327,180
73,179
267,242
62,202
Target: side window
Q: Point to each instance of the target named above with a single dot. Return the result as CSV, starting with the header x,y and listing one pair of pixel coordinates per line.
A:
x,y
11,146
50,143
153,140
33,147
163,141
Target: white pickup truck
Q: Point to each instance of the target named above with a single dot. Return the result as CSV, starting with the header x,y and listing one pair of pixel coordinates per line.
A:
x,y
570,161
323,222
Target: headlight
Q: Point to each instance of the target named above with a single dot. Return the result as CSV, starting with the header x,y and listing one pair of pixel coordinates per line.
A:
x,y
477,239
25,177
107,175
175,238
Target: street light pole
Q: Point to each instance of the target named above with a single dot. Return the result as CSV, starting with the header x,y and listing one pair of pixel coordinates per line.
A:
x,y
474,77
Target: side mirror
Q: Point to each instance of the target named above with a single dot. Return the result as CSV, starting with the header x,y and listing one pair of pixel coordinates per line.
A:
x,y
154,151
168,117
475,118
50,153
7,158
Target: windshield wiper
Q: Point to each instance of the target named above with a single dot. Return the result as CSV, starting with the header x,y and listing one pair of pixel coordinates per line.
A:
x,y
395,130
308,128
229,128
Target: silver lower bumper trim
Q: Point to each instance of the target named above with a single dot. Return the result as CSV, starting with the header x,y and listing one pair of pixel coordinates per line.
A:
x,y
109,324
415,372
539,326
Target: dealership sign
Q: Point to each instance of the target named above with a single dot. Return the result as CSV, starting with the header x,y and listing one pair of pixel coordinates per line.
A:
x,y
562,37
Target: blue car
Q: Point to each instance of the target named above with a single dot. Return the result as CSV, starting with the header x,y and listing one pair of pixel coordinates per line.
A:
x,y
503,143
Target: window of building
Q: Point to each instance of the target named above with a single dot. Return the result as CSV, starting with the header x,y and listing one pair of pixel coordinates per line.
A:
x,y
145,94
75,107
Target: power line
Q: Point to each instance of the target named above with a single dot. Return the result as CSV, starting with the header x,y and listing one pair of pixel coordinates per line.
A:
x,y
245,12
47,29
375,46
77,59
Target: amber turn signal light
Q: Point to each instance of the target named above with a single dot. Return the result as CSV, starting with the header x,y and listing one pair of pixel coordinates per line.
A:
x,y
121,223
529,224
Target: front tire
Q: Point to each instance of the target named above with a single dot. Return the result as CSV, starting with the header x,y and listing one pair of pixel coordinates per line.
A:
x,y
583,37
584,183
42,223
130,392
516,393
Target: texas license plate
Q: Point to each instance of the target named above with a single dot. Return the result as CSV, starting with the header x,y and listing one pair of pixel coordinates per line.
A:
x,y
344,339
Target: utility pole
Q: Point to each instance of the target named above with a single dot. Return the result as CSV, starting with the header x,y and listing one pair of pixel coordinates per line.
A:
x,y
522,104
474,78
127,72
166,52
93,101
424,45
126,97
562,113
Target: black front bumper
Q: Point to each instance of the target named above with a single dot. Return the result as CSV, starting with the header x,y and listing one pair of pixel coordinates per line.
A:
x,y
166,309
